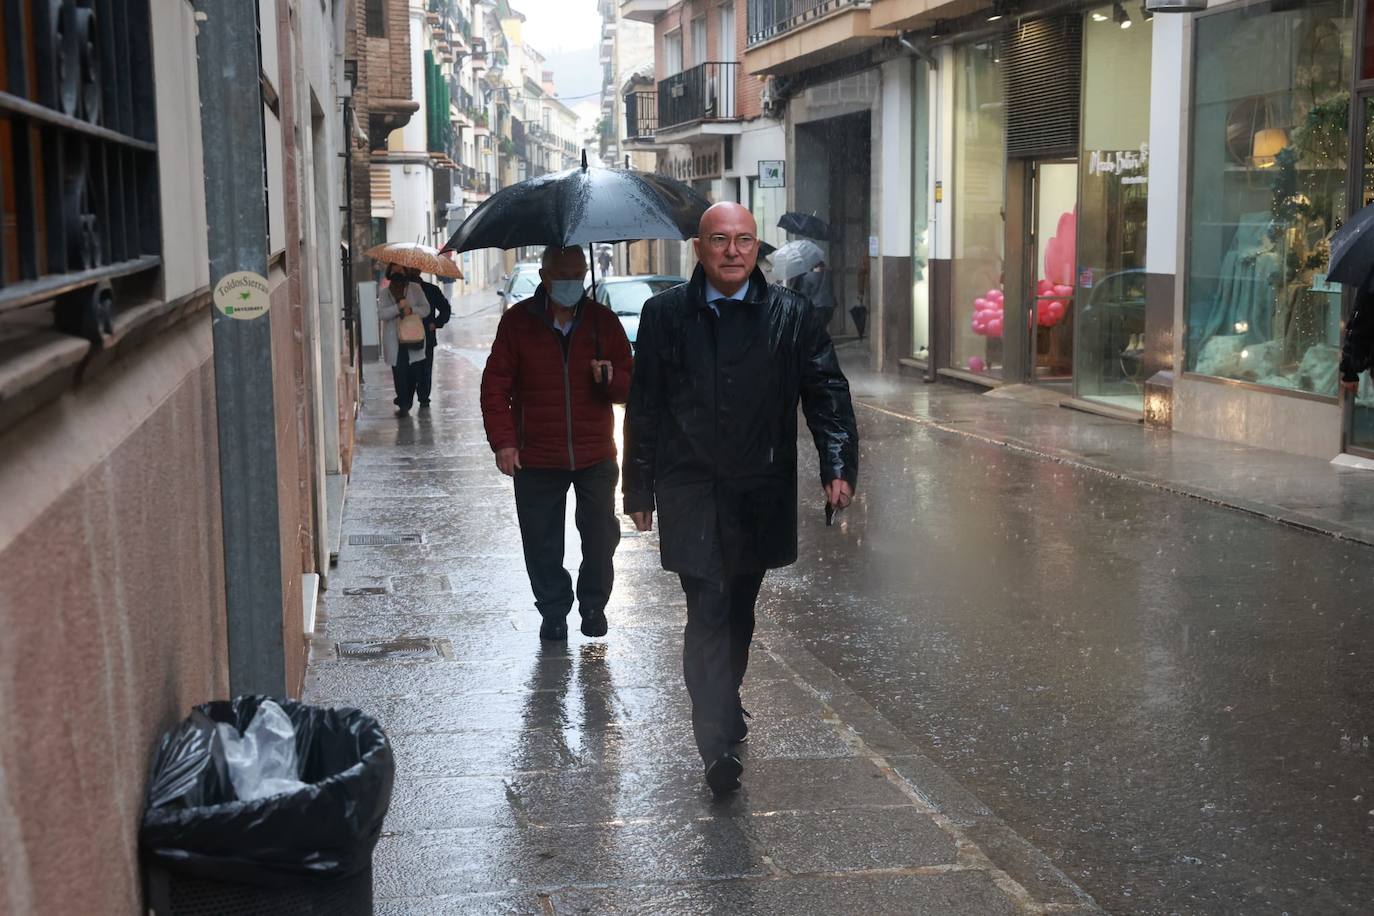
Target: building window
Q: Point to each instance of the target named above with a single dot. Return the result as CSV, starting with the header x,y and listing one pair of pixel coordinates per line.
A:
x,y
1269,153
79,204
699,50
376,18
672,52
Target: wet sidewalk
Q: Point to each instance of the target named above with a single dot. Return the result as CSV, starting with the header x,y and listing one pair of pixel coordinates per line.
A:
x,y
562,778
1308,493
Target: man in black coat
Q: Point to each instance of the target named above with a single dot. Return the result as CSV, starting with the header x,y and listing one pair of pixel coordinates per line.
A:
x,y
711,444
439,313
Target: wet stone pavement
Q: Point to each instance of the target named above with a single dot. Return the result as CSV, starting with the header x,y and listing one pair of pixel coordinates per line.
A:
x,y
561,778
1001,683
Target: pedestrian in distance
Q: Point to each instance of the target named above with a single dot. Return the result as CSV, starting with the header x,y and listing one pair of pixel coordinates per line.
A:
x,y
711,445
1358,353
560,360
397,300
439,313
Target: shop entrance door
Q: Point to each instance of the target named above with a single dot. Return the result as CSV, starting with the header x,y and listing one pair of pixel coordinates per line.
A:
x,y
1359,408
1052,253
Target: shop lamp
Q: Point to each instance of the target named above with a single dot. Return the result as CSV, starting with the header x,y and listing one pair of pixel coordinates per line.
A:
x,y
1146,14
1267,145
1121,16
999,9
1099,16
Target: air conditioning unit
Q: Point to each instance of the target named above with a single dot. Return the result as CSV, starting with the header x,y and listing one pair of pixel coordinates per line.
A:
x,y
1175,6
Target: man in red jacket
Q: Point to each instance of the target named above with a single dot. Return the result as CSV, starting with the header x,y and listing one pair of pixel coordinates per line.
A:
x,y
559,362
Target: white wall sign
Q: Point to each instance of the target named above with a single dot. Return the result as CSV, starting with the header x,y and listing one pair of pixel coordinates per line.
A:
x,y
772,173
872,246
243,295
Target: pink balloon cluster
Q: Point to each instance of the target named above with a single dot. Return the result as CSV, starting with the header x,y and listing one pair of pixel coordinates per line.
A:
x,y
1052,302
988,313
1055,291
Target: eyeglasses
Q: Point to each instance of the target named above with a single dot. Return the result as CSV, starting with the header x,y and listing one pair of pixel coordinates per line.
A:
x,y
743,243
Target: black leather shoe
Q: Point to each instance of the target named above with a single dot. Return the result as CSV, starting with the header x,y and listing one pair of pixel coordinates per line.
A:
x,y
424,405
594,624
553,630
740,733
723,774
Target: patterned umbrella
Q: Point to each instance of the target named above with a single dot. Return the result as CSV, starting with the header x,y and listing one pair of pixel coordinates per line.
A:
x,y
425,258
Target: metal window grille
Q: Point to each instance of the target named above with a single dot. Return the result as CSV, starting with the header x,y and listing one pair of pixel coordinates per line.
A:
x,y
1043,61
78,156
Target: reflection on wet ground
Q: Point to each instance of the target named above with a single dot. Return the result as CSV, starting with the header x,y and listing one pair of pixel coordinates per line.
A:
x,y
562,777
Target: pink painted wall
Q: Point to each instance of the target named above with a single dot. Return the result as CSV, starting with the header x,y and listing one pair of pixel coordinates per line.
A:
x,y
112,615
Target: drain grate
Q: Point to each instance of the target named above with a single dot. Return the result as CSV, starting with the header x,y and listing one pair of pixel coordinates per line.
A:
x,y
411,647
366,590
382,540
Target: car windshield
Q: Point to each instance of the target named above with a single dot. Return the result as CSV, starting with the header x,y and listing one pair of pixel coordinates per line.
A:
x,y
524,285
628,297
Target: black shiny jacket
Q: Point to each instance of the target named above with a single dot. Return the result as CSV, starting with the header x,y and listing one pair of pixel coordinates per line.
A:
x,y
1358,352
711,424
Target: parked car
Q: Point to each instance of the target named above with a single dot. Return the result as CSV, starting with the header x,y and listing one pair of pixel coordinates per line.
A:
x,y
521,283
626,296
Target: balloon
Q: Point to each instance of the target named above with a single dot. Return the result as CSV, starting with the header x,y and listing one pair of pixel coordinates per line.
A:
x,y
1061,289
977,363
995,327
979,304
995,294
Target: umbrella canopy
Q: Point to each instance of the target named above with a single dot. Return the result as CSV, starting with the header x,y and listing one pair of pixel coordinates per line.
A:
x,y
795,258
581,206
1352,249
424,258
807,225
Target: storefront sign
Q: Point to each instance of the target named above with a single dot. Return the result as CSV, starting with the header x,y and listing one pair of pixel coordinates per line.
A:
x,y
1131,165
772,173
688,163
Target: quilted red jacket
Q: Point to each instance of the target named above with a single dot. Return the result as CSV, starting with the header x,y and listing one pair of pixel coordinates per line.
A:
x,y
538,394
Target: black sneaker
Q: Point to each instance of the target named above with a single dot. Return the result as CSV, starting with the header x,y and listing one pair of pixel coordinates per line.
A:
x,y
553,630
723,774
594,624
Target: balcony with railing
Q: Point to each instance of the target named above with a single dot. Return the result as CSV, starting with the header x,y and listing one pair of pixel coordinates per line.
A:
x,y
641,115
697,97
818,31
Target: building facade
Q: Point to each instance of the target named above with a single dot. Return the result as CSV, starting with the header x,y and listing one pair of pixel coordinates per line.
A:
x,y
115,595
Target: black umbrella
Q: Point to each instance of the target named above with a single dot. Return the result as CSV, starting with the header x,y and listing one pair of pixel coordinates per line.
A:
x,y
807,225
1352,249
581,206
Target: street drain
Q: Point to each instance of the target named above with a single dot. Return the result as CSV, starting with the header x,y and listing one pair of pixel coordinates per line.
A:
x,y
381,540
412,647
366,590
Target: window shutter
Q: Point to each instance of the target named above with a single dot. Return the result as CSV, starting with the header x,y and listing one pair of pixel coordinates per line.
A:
x,y
1044,64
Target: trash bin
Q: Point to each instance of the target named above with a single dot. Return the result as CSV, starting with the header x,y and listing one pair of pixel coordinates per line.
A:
x,y
306,852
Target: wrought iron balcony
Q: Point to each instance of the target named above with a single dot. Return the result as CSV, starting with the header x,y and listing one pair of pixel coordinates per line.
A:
x,y
771,18
706,92
641,114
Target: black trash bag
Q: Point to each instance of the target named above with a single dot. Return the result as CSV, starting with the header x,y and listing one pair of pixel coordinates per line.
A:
x,y
194,825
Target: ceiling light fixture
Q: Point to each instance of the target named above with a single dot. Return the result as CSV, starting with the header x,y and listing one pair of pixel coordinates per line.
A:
x,y
998,11
1099,16
1122,17
1146,14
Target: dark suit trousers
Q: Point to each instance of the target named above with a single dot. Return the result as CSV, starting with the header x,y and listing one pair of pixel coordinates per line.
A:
x,y
541,501
715,654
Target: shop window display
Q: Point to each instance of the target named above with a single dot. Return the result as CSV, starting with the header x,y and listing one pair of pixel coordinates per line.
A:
x,y
1268,185
980,168
1114,164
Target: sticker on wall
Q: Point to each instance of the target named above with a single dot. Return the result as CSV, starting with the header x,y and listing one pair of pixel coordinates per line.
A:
x,y
243,295
872,246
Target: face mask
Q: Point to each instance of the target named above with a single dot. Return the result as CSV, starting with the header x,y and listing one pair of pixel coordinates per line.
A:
x,y
566,293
